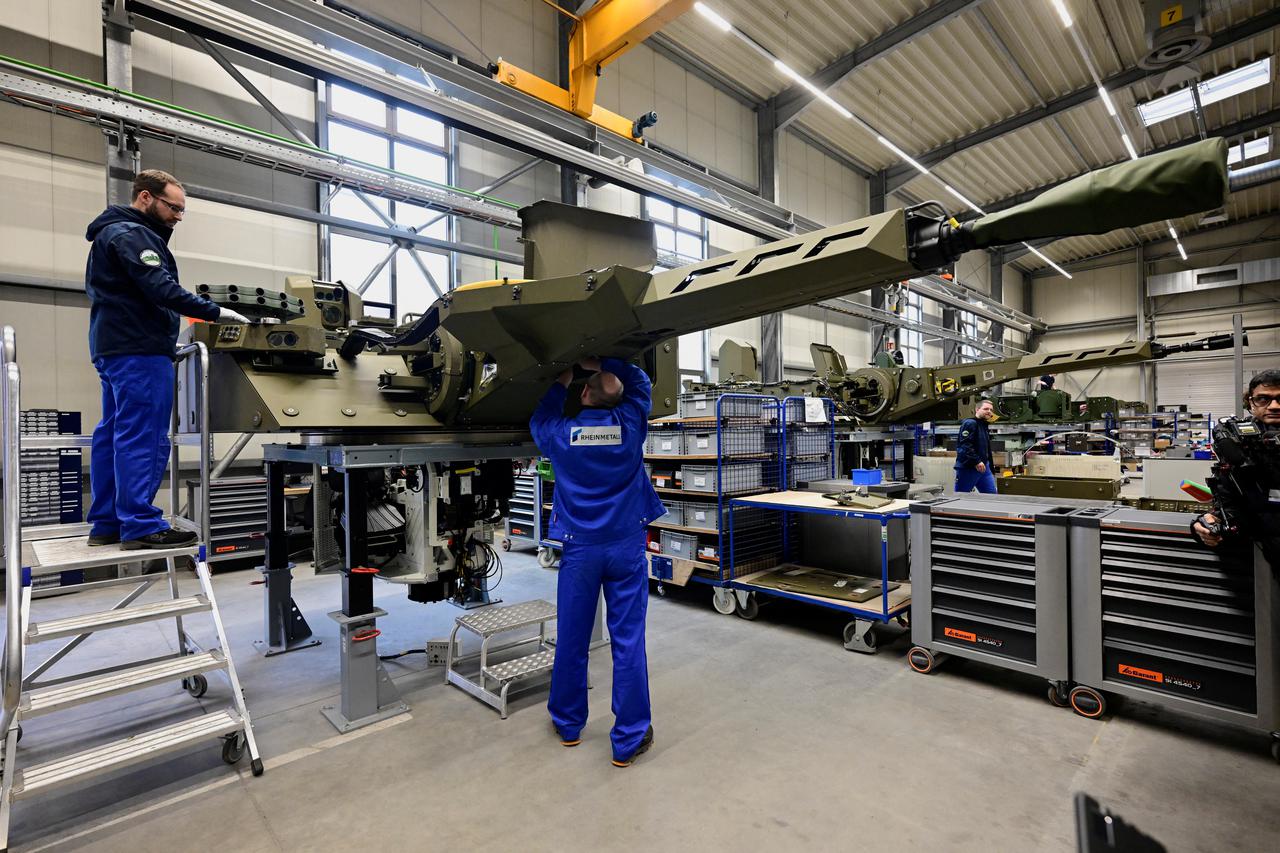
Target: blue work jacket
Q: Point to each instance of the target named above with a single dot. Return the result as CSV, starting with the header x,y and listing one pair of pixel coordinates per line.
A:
x,y
135,300
602,491
973,445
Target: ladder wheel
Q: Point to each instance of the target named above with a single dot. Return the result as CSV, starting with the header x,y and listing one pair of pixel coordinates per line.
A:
x,y
233,749
1088,702
196,685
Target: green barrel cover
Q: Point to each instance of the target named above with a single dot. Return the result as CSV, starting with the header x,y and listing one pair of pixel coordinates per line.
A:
x,y
1187,180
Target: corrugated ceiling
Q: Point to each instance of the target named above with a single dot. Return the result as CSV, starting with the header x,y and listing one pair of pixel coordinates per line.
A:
x,y
989,62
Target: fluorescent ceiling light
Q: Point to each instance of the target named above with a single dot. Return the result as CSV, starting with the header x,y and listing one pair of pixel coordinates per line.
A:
x,y
1066,22
707,12
1182,251
1252,148
813,90
1173,233
1041,255
1106,99
904,155
1211,91
964,200
1128,146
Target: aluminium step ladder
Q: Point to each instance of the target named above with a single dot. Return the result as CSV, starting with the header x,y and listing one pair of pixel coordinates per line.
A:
x,y
51,550
489,622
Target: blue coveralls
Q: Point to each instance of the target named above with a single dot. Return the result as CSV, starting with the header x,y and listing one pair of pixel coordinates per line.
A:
x,y
603,500
974,446
135,303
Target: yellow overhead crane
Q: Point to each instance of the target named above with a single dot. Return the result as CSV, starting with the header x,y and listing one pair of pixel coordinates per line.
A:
x,y
606,31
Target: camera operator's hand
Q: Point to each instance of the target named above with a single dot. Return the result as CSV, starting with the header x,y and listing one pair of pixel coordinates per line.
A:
x,y
1206,535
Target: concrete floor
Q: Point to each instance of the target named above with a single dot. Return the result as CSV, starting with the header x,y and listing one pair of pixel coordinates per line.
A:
x,y
769,736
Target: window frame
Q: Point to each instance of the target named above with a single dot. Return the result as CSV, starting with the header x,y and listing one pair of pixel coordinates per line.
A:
x,y
327,117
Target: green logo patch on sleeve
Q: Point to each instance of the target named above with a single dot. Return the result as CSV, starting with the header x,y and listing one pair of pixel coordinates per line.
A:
x,y
150,257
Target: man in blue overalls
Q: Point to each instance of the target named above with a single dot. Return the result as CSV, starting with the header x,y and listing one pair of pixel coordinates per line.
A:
x,y
973,452
134,306
603,501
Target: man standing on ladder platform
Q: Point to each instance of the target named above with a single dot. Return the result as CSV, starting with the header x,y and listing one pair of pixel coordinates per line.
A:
x,y
134,306
602,502
973,452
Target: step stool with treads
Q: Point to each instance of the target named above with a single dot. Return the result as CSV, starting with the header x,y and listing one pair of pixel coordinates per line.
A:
x,y
488,623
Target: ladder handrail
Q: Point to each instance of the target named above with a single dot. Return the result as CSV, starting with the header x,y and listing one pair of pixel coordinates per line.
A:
x,y
201,353
11,382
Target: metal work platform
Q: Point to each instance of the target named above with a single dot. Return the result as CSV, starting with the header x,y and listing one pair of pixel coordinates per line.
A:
x,y
64,553
489,622
54,550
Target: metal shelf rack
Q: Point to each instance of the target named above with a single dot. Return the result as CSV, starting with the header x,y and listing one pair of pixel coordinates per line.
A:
x,y
718,447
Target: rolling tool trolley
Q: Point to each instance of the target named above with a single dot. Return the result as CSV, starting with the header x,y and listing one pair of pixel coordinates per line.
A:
x,y
1157,617
989,581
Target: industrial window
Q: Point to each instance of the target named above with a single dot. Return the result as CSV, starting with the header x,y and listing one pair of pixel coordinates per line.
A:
x,y
912,343
365,128
967,325
682,233
678,231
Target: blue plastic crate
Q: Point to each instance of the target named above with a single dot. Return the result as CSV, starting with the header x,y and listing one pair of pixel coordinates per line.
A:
x,y
867,477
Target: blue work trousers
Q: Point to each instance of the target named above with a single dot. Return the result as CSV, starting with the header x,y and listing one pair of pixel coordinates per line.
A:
x,y
130,445
620,568
969,478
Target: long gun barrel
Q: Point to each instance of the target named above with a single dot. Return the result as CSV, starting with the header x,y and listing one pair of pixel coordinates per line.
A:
x,y
1180,182
524,329
883,395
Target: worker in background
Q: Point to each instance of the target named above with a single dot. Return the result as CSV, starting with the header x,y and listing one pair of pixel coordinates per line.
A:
x,y
1252,506
134,306
1045,382
603,501
973,452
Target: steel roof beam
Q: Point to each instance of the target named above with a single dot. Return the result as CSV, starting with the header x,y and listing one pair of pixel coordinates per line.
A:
x,y
793,100
900,175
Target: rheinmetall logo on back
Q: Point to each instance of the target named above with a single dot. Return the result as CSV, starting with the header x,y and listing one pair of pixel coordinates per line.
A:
x,y
580,436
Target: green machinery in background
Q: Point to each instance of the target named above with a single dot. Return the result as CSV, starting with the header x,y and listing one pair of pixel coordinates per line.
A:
x,y
885,395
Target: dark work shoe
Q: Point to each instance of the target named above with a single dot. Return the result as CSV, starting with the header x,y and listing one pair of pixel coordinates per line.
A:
x,y
162,539
96,539
645,743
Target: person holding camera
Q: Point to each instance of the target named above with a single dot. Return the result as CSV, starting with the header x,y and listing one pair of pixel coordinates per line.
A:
x,y
1246,491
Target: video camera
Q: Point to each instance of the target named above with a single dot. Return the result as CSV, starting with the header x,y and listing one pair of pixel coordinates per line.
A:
x,y
1245,484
